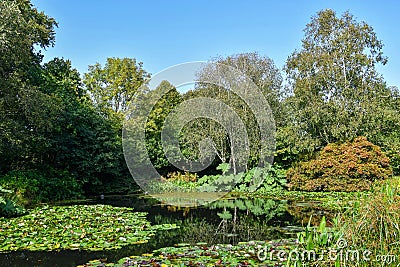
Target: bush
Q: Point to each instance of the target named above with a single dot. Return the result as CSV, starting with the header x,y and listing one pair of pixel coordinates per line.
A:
x,y
32,186
393,152
351,166
262,180
182,177
265,180
8,207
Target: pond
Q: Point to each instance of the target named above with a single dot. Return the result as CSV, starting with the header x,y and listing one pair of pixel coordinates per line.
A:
x,y
226,221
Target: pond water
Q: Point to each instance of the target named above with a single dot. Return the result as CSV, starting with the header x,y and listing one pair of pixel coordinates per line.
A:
x,y
227,221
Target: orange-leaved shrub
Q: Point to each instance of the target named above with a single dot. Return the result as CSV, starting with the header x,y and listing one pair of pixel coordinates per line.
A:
x,y
351,166
182,176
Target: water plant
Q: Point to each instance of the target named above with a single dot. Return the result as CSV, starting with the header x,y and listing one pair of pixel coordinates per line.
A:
x,y
373,223
83,227
201,254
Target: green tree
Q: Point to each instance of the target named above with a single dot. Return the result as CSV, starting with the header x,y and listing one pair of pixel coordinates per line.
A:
x,y
25,111
111,89
114,85
335,91
155,122
84,142
264,74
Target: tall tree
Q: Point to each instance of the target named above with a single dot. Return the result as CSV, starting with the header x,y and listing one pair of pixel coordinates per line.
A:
x,y
263,73
336,92
114,85
155,123
25,111
83,141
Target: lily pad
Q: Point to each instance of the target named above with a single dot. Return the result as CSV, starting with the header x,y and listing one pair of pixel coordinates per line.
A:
x,y
78,227
243,254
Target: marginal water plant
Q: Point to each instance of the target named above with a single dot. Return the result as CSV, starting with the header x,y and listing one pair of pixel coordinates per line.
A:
x,y
270,179
373,223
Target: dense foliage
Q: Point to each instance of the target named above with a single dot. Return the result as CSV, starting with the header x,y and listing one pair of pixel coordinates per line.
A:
x,y
51,127
335,92
351,166
263,180
8,205
32,187
263,73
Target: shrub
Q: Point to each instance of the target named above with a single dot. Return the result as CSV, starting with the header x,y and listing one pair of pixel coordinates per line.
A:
x,y
182,177
31,186
393,152
351,166
8,207
263,180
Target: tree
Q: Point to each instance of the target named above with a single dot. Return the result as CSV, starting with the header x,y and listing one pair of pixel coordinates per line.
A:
x,y
25,111
48,123
155,122
111,89
114,85
262,72
84,142
335,91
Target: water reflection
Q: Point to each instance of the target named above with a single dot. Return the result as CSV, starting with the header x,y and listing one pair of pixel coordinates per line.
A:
x,y
231,221
228,220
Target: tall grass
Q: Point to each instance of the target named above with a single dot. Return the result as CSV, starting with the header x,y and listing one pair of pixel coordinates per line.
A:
x,y
373,223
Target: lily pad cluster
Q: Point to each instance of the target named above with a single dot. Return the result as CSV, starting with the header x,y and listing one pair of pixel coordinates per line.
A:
x,y
242,254
83,227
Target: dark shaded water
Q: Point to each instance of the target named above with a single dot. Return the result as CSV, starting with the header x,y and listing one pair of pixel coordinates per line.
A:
x,y
224,221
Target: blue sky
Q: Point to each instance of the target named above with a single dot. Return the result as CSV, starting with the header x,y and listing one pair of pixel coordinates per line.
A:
x,y
166,33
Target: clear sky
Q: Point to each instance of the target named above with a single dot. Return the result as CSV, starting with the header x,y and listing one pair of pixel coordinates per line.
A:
x,y
166,33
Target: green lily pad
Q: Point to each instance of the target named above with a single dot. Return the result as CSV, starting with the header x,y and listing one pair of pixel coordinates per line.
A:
x,y
79,227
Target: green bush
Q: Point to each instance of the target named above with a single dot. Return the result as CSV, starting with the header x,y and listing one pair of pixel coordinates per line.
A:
x,y
8,207
262,180
351,166
32,186
394,155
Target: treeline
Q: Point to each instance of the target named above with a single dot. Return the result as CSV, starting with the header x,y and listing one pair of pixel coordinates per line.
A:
x,y
60,131
59,135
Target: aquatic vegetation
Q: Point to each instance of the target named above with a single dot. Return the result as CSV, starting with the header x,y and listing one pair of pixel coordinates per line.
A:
x,y
83,227
374,222
242,254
